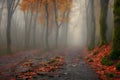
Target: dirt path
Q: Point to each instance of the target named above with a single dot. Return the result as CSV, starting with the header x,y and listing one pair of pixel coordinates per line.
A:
x,y
74,69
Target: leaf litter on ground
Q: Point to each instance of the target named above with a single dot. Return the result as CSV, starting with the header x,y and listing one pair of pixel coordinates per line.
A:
x,y
43,69
94,58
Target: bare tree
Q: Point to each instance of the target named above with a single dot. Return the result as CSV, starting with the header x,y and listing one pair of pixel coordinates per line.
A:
x,y
28,25
47,24
87,4
11,7
35,24
1,10
66,27
93,27
58,25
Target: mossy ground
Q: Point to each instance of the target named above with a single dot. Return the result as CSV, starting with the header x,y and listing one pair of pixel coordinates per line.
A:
x,y
106,61
118,66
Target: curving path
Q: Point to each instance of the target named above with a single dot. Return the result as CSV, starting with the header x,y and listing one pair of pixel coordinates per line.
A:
x,y
75,68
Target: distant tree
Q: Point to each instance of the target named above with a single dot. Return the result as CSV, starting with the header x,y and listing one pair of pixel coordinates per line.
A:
x,y
11,7
1,10
87,21
66,27
57,12
93,27
47,23
28,22
57,7
90,24
30,18
34,29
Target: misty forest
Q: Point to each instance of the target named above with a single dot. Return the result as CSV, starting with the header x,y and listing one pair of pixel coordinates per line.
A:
x,y
59,39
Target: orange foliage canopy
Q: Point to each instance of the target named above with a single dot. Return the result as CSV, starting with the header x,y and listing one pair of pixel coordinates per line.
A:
x,y
34,4
39,6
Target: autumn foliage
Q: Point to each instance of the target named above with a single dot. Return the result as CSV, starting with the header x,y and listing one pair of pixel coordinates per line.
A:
x,y
39,7
94,59
43,69
31,4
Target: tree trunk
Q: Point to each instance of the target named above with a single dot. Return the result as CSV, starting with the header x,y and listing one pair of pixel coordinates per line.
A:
x,y
90,24
103,22
34,36
93,29
87,22
34,30
26,31
57,37
28,26
115,52
8,33
66,28
11,7
56,22
47,25
1,10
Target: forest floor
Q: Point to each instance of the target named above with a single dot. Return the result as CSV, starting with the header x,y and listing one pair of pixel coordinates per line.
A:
x,y
59,64
94,58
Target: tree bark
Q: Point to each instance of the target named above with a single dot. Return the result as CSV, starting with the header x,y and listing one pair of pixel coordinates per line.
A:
x,y
93,28
90,24
11,7
66,28
56,21
87,22
1,10
47,25
57,25
103,22
9,33
115,52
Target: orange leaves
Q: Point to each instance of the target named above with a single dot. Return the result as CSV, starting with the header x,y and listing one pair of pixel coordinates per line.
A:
x,y
42,69
39,7
64,4
27,75
30,4
94,59
52,65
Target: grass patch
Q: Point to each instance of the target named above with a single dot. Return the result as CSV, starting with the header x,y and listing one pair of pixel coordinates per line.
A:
x,y
110,75
118,66
114,55
106,61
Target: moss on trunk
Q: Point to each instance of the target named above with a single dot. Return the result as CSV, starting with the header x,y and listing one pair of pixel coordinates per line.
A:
x,y
116,33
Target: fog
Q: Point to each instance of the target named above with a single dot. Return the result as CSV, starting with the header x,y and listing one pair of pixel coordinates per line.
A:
x,y
28,33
